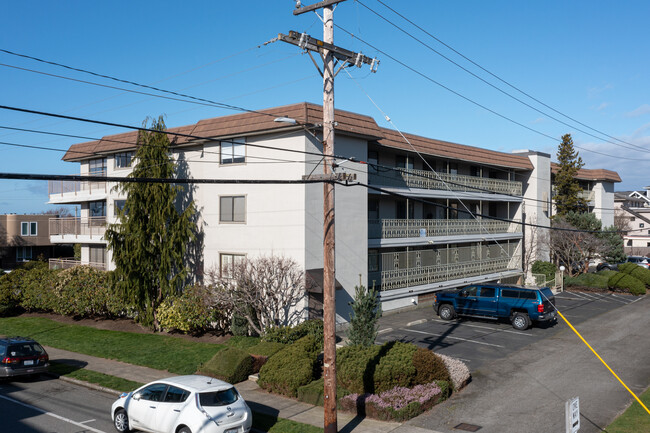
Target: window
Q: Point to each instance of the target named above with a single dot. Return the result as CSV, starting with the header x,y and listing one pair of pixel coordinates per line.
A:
x,y
373,161
373,261
403,161
97,208
373,209
233,151
232,209
487,292
510,293
29,228
218,398
118,206
228,262
97,167
176,395
97,254
153,392
471,290
641,225
123,159
23,254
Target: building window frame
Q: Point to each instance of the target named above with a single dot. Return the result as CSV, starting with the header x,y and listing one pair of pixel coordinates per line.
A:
x,y
123,160
24,254
97,167
227,262
29,228
233,151
232,209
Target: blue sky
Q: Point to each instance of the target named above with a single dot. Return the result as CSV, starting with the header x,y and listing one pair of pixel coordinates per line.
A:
x,y
586,59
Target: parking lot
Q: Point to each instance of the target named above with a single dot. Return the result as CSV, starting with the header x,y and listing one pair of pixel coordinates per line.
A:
x,y
477,341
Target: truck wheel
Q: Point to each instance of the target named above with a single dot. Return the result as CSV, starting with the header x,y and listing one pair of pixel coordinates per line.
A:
x,y
446,312
520,321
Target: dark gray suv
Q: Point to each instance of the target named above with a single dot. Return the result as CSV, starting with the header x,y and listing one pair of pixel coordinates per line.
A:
x,y
22,357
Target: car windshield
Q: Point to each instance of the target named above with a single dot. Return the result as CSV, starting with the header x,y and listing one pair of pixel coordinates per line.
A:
x,y
218,398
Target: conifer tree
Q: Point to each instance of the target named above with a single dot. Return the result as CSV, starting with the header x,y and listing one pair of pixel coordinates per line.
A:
x,y
366,311
150,240
567,188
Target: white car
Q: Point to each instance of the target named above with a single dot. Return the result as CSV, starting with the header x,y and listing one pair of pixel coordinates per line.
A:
x,y
183,404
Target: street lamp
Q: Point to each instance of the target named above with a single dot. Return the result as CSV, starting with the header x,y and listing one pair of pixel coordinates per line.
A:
x,y
562,268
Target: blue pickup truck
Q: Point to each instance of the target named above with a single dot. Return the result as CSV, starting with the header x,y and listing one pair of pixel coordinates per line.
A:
x,y
521,305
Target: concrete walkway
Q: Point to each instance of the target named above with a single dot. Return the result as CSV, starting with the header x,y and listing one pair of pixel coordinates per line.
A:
x,y
258,399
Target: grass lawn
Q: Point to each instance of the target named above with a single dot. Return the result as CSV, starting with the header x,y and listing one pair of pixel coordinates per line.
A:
x,y
94,377
635,419
150,350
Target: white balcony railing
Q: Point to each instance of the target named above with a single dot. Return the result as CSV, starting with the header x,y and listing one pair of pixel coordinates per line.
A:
x,y
71,263
89,228
401,228
427,179
68,188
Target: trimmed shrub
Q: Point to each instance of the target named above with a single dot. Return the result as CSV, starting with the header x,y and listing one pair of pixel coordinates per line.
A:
x,y
291,367
262,352
291,334
230,364
399,403
639,272
190,313
429,367
239,326
597,281
355,367
83,291
37,290
243,342
395,368
627,267
458,371
546,268
10,292
313,393
626,283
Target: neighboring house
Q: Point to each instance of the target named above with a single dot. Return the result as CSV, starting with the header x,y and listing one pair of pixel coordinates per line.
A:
x,y
633,208
406,248
24,238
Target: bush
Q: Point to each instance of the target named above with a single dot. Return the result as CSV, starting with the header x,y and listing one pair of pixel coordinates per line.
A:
x,y
429,367
399,403
639,272
355,367
37,289
262,352
239,326
626,283
243,342
546,268
313,393
598,281
291,334
83,291
291,367
190,312
230,364
458,371
10,292
366,311
395,368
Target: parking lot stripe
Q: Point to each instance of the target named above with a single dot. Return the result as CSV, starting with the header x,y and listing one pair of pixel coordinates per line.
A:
x,y
527,334
417,322
453,338
53,415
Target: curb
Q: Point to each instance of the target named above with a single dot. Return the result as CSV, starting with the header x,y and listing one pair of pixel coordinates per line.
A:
x,y
85,384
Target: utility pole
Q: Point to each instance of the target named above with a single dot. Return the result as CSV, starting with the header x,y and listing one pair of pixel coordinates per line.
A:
x,y
330,54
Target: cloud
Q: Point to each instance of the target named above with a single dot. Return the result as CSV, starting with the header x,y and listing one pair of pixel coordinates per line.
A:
x,y
602,106
639,111
539,120
595,91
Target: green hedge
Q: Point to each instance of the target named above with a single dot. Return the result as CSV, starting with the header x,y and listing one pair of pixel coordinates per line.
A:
x,y
639,272
355,367
291,334
396,367
429,367
597,280
626,283
230,364
313,392
191,312
291,367
546,268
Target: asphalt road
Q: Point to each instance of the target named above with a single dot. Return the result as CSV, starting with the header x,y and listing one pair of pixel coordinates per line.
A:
x,y
525,389
478,341
48,405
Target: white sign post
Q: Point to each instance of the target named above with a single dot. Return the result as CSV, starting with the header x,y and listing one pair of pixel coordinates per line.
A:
x,y
572,409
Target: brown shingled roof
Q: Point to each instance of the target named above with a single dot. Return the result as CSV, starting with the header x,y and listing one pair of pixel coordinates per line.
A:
x,y
449,150
591,174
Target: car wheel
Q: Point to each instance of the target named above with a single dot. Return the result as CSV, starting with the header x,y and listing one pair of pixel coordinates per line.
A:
x,y
446,312
121,421
520,321
185,430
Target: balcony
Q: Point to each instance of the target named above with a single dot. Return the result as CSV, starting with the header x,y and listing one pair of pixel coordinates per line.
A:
x,y
77,230
76,191
415,268
68,263
426,179
415,228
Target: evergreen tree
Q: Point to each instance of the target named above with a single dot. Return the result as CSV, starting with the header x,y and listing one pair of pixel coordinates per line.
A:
x,y
567,188
150,240
366,311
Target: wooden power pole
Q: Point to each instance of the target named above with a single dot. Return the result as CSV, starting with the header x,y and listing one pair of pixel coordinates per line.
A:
x,y
330,54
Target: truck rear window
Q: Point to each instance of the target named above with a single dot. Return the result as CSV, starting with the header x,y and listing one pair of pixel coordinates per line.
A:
x,y
510,293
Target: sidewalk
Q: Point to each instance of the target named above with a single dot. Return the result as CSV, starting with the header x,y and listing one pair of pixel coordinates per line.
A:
x,y
258,399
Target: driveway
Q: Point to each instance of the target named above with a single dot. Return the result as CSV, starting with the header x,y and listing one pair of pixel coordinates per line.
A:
x,y
525,389
477,341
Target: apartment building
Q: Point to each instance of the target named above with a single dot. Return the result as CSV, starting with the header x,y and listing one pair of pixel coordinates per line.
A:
x,y
423,214
633,209
24,238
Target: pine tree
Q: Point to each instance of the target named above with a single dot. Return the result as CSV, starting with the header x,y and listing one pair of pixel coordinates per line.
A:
x,y
366,311
150,240
567,188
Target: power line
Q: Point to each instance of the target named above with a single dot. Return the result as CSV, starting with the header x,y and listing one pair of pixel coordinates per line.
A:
x,y
496,76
